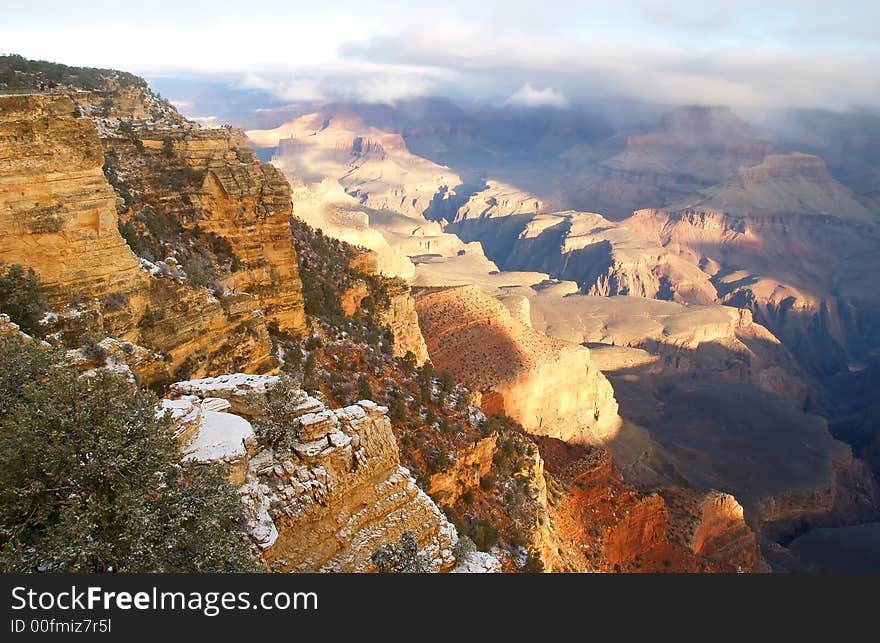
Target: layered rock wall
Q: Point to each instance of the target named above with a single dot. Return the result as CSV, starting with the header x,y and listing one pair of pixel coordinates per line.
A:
x,y
403,320
59,212
237,198
549,386
336,496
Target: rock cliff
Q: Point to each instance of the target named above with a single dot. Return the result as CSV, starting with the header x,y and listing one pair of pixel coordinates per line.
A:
x,y
225,193
712,524
326,504
604,524
60,212
499,199
472,464
401,318
549,386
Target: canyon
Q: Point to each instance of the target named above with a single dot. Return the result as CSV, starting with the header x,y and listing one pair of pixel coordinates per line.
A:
x,y
550,387
721,269
635,352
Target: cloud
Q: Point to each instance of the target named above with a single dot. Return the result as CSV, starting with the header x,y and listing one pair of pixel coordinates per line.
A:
x,y
807,53
291,89
528,96
352,80
506,67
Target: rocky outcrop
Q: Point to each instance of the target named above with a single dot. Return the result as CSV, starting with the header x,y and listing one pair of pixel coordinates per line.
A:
x,y
203,335
56,208
60,214
604,524
712,524
497,485
541,541
403,320
397,311
350,299
230,194
334,498
472,464
547,385
241,390
498,199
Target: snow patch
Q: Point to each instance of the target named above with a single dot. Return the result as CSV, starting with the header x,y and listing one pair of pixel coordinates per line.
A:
x,y
221,437
477,562
257,499
240,383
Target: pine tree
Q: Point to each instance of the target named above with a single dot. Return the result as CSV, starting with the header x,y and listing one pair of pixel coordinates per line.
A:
x,y
277,427
91,479
397,408
310,381
22,298
365,388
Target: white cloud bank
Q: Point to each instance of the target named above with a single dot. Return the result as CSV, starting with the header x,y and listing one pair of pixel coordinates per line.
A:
x,y
528,96
806,53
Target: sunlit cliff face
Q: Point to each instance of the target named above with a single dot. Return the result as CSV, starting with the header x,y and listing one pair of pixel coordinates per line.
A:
x,y
550,387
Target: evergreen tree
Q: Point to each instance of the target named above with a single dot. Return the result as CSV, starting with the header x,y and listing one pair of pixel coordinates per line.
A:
x,y
402,557
278,426
365,388
397,408
91,479
22,298
310,381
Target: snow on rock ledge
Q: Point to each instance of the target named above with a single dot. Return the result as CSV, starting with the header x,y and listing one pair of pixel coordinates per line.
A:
x,y
221,438
340,493
237,388
477,562
330,501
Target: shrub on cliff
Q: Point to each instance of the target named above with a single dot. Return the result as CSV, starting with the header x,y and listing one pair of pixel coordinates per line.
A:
x,y
22,298
91,481
483,533
402,557
278,426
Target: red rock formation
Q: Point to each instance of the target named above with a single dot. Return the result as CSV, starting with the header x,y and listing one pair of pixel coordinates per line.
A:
x,y
604,524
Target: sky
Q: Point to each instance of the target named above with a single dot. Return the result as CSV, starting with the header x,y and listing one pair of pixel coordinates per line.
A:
x,y
805,53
